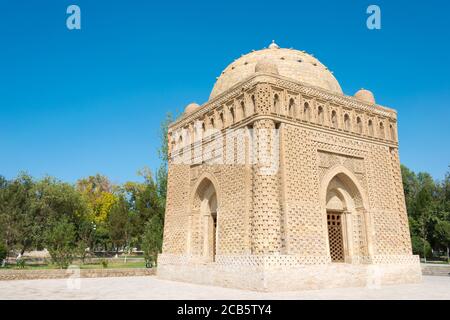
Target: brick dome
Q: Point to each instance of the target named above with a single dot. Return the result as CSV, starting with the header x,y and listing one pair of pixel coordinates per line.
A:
x,y
191,107
365,95
291,63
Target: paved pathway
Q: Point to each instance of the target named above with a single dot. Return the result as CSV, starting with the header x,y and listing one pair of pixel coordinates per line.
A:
x,y
152,288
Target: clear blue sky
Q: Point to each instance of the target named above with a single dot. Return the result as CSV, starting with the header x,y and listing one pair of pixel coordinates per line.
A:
x,y
76,103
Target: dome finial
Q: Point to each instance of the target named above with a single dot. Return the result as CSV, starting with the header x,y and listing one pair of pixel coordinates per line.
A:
x,y
273,45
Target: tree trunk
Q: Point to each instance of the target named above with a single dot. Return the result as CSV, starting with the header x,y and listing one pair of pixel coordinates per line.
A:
x,y
448,257
424,253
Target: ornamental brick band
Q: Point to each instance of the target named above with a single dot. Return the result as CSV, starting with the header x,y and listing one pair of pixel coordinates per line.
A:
x,y
84,273
277,171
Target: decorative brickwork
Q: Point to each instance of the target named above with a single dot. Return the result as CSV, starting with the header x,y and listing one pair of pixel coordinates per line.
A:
x,y
257,174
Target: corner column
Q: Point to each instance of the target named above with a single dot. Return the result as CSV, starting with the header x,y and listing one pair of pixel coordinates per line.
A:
x,y
266,220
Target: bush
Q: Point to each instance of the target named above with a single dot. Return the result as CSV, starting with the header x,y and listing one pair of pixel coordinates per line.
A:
x,y
60,241
20,263
105,263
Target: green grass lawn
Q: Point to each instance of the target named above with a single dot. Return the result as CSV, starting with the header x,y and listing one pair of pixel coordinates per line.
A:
x,y
115,265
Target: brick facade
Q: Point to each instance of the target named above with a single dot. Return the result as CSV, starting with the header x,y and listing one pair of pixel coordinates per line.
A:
x,y
253,173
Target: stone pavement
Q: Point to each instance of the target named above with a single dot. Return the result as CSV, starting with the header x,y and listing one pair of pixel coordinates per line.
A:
x,y
150,287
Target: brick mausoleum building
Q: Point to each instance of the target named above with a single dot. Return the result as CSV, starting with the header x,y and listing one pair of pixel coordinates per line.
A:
x,y
282,182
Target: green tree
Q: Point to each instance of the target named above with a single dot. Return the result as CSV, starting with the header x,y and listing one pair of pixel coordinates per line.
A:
x,y
421,195
411,188
445,195
53,200
119,224
442,229
3,212
152,240
163,153
443,198
60,240
16,215
99,194
420,246
85,235
424,211
3,254
153,232
144,203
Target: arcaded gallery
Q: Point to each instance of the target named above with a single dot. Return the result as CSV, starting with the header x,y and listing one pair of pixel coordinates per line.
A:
x,y
280,181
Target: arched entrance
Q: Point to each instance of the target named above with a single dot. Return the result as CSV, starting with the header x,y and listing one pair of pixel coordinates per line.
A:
x,y
211,217
204,209
345,216
337,239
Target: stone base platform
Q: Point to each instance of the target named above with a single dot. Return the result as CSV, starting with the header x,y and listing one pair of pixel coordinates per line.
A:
x,y
271,277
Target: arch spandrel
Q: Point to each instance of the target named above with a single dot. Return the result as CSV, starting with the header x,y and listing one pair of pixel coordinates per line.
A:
x,y
203,182
348,178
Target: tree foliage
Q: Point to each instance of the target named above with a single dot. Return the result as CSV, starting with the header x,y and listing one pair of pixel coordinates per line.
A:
x,y
99,195
152,239
428,204
72,220
92,214
3,253
119,224
60,241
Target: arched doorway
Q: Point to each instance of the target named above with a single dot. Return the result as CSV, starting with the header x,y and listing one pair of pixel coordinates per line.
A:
x,y
345,217
337,239
211,216
205,218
